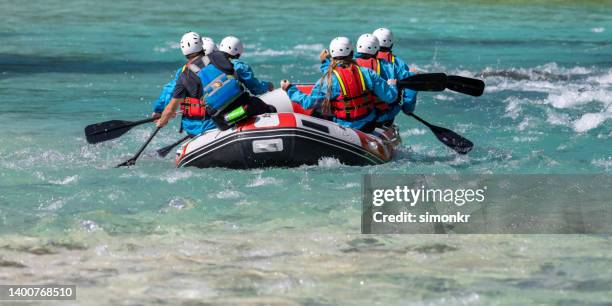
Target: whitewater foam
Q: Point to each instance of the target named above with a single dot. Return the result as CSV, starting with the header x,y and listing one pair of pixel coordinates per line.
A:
x,y
311,47
329,163
262,181
605,163
524,139
297,50
65,181
590,121
229,194
548,71
413,132
570,98
603,79
177,175
513,107
574,92
89,226
557,118
443,97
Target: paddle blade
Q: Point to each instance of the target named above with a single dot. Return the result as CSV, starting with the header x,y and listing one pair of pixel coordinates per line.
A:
x,y
164,151
167,149
452,140
103,131
468,86
424,82
108,130
127,163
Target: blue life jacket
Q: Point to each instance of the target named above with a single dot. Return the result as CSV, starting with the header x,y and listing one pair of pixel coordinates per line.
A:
x,y
220,86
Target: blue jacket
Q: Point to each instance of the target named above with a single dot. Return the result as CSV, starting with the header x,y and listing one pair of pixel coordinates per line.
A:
x,y
408,101
398,71
372,81
195,127
246,75
166,94
191,127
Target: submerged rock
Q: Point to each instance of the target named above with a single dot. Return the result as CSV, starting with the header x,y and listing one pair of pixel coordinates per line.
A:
x,y
11,264
436,248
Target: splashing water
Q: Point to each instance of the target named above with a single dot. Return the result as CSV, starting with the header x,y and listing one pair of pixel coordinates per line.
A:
x,y
280,236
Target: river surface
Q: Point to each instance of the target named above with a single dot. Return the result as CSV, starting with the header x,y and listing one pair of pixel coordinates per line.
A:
x,y
154,234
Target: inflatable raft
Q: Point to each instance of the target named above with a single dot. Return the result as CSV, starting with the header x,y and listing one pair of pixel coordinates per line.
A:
x,y
289,138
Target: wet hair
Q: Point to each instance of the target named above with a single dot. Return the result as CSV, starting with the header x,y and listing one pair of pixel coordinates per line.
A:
x,y
345,62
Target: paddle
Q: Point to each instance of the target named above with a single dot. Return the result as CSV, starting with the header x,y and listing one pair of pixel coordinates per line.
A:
x,y
108,130
468,86
425,82
451,139
165,150
132,161
440,81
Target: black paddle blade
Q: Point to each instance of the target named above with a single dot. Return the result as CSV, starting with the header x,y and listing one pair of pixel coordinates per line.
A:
x,y
424,82
452,140
468,86
108,130
167,149
127,163
103,131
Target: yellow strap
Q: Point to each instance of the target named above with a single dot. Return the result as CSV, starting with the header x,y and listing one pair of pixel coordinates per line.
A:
x,y
392,59
378,66
184,67
361,78
363,86
340,81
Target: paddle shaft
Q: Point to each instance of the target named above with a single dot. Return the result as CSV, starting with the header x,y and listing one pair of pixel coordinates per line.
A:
x,y
420,120
424,82
146,143
132,160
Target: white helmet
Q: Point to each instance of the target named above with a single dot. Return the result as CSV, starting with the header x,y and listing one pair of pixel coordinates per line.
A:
x,y
340,46
208,45
191,43
367,44
231,45
385,37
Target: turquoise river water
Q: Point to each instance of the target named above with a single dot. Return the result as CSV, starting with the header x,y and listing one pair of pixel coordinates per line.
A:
x,y
154,234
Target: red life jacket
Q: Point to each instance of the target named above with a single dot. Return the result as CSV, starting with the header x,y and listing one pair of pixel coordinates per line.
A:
x,y
386,55
370,63
374,64
193,108
355,100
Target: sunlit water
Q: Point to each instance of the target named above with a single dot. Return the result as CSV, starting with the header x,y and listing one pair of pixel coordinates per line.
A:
x,y
158,234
